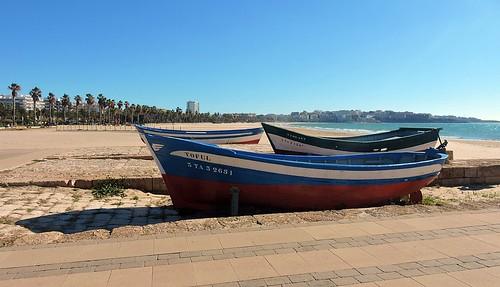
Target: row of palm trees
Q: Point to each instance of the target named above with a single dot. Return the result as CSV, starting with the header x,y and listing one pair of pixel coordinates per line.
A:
x,y
108,110
101,110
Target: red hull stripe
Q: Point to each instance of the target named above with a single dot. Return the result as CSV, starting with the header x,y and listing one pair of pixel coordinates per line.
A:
x,y
210,195
248,142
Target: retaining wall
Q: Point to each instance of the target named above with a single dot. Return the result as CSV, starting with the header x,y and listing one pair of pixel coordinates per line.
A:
x,y
456,173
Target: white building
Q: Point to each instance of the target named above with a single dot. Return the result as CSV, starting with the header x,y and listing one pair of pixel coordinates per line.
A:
x,y
193,107
24,101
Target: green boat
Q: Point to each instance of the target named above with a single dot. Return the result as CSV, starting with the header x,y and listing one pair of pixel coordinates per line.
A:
x,y
286,141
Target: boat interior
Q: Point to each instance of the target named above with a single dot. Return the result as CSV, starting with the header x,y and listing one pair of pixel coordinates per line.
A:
x,y
354,160
400,133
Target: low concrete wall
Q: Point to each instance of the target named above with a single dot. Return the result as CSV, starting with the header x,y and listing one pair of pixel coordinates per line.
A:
x,y
456,173
146,184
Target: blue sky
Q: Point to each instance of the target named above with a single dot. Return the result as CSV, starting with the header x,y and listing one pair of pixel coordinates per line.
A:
x,y
441,57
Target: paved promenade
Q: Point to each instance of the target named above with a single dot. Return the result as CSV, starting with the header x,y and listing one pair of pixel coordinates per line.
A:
x,y
453,249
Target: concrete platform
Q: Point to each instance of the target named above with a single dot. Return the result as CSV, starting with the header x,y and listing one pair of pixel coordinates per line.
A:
x,y
458,249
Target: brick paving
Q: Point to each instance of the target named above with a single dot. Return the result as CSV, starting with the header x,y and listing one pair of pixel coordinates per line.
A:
x,y
28,210
269,249
432,251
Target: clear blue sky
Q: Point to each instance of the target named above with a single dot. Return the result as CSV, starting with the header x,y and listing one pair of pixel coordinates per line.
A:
x,y
262,56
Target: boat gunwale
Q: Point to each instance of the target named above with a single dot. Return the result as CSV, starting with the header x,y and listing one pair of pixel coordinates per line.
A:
x,y
257,130
345,139
280,159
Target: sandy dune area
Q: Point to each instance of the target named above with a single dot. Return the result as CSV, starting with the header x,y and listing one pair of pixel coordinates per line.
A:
x,y
18,147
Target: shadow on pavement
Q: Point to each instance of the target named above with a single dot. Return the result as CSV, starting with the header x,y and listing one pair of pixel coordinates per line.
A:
x,y
103,218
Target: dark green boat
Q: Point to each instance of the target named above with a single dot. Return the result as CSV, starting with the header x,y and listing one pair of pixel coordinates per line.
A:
x,y
285,141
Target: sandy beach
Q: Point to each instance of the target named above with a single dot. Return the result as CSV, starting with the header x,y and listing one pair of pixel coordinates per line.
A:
x,y
18,147
47,154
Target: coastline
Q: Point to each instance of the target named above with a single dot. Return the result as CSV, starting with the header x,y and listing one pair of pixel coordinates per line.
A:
x,y
19,147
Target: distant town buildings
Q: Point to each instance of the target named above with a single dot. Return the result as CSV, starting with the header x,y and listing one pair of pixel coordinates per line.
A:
x,y
23,101
193,107
345,116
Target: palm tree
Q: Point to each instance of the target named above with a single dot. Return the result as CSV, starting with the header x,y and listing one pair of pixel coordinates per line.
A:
x,y
101,100
127,106
78,102
120,105
14,88
65,102
110,104
52,101
89,99
132,109
35,94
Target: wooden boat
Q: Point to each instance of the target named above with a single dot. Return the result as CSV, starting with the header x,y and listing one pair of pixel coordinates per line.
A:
x,y
285,141
240,136
200,176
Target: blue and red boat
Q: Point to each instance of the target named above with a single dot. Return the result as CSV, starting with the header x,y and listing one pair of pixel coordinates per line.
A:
x,y
200,176
240,136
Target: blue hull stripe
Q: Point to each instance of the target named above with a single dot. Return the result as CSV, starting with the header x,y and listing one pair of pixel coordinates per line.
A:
x,y
199,163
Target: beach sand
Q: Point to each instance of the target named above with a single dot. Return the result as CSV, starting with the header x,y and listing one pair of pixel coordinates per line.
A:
x,y
19,147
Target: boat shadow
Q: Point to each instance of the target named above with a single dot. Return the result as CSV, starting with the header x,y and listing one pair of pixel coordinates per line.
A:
x,y
475,187
102,218
70,222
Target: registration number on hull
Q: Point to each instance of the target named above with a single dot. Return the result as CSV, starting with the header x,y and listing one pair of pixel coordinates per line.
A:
x,y
210,168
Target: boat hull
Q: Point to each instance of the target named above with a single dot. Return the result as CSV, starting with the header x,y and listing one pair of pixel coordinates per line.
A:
x,y
285,141
241,136
283,145
207,195
200,176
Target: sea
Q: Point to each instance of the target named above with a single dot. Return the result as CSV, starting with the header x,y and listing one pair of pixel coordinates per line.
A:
x,y
472,131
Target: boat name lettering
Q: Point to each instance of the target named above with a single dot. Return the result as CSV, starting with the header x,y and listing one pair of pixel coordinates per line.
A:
x,y
295,137
197,156
294,143
210,168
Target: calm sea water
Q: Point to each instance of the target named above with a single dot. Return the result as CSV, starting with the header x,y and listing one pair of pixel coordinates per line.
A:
x,y
482,131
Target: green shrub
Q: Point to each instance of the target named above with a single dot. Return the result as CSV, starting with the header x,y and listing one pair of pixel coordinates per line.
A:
x,y
108,188
432,200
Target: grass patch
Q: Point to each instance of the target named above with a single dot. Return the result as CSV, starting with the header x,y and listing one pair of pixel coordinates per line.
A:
x,y
135,197
432,200
489,195
108,188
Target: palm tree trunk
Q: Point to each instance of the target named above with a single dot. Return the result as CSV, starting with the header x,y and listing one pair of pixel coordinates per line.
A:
x,y
77,120
14,111
34,112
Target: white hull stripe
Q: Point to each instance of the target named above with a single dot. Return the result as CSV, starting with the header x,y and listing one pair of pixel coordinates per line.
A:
x,y
157,161
309,172
285,144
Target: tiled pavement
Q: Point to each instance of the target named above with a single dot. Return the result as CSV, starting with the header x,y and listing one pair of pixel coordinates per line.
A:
x,y
460,249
